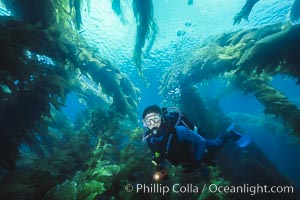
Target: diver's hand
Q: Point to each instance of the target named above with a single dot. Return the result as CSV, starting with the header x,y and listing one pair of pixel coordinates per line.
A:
x,y
157,161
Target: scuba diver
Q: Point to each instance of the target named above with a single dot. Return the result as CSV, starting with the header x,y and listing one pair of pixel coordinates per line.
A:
x,y
171,136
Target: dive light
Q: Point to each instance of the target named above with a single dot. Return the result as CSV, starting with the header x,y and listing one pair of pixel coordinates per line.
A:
x,y
159,175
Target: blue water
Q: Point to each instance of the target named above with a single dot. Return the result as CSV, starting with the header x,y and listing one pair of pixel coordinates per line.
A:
x,y
73,106
238,102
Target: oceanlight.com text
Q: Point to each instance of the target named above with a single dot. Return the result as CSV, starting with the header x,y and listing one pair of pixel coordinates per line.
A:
x,y
250,189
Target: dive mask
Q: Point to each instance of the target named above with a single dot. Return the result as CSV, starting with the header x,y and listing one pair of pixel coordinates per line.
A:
x,y
151,119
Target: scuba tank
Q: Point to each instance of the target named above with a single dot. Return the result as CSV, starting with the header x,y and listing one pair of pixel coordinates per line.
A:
x,y
178,118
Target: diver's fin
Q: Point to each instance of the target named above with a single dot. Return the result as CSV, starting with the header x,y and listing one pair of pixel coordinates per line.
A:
x,y
235,134
244,141
238,137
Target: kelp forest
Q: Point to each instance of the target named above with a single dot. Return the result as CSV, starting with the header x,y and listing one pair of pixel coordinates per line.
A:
x,y
45,58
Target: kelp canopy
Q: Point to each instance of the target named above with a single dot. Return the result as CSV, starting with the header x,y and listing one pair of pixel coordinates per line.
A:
x,y
46,59
248,58
41,64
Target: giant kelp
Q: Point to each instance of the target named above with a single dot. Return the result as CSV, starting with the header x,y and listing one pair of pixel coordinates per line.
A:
x,y
274,101
33,90
242,56
245,12
115,84
72,172
77,7
33,86
191,100
37,71
23,36
111,165
28,180
146,26
24,113
273,50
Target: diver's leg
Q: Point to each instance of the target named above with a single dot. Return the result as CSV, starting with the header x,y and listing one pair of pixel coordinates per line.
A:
x,y
216,144
232,134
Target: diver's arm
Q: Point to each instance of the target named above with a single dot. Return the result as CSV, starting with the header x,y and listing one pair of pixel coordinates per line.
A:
x,y
159,162
157,158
